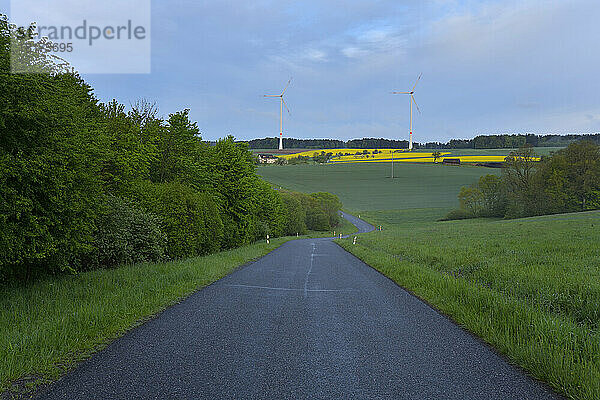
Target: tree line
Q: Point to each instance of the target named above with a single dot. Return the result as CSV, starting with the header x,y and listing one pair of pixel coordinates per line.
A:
x,y
501,141
566,181
86,184
291,143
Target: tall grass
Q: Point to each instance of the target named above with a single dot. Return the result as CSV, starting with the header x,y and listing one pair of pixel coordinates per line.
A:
x,y
529,287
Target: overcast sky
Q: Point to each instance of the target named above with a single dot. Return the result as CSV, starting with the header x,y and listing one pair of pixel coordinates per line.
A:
x,y
488,67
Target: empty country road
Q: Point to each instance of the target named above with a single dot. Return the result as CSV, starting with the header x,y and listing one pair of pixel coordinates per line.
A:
x,y
307,321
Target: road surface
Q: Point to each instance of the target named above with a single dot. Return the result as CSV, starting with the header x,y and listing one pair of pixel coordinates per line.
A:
x,y
307,321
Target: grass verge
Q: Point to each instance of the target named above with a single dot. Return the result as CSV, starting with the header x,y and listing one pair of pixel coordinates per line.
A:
x,y
50,325
529,287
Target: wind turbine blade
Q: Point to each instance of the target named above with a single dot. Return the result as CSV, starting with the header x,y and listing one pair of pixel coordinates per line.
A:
x,y
286,86
271,95
418,79
413,100
400,92
286,107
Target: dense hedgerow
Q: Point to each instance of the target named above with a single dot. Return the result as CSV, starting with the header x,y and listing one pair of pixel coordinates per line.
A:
x,y
316,211
126,235
189,219
50,183
294,215
86,185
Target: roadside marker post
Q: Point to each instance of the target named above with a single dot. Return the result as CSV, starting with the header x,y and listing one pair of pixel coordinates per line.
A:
x,y
267,239
354,241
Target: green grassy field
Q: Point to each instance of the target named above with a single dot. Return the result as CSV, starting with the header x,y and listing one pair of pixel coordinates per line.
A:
x,y
530,287
49,325
369,186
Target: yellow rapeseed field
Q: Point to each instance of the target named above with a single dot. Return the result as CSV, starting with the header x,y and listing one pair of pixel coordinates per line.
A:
x,y
344,156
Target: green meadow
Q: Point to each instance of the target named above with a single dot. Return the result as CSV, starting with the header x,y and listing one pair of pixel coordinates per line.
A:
x,y
364,187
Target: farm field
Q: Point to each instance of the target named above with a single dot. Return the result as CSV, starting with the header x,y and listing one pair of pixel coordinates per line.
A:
x,y
402,155
530,287
369,186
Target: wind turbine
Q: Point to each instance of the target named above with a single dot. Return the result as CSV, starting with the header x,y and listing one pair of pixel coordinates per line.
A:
x,y
281,112
412,100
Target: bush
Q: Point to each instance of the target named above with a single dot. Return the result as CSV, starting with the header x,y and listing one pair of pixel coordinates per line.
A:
x,y
471,200
330,204
317,219
190,219
317,211
270,213
494,196
49,184
126,235
294,214
458,213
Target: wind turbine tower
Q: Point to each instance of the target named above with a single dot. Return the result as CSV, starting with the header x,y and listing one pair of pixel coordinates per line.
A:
x,y
411,101
281,112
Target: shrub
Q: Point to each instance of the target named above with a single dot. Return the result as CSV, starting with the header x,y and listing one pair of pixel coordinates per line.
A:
x,y
458,213
317,211
330,204
49,185
493,194
270,213
294,213
126,234
190,219
471,200
317,219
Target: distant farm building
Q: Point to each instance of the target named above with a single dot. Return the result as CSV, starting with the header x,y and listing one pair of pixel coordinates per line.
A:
x,y
267,159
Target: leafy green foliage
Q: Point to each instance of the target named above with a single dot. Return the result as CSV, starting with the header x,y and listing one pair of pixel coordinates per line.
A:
x,y
235,182
49,176
129,144
295,214
459,213
470,200
190,219
493,196
271,212
317,211
566,181
181,153
126,235
81,182
331,205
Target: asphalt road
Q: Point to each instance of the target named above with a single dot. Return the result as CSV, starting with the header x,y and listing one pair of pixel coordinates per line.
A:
x,y
307,321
